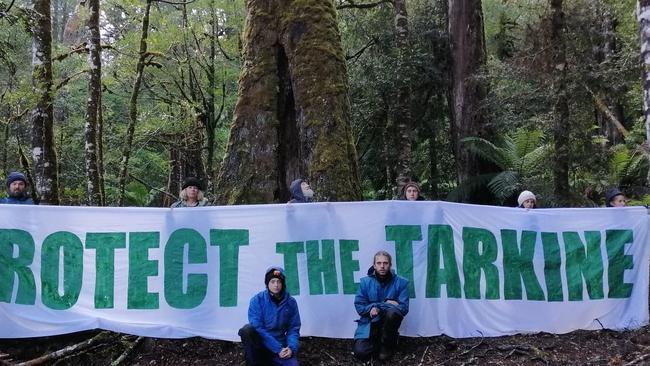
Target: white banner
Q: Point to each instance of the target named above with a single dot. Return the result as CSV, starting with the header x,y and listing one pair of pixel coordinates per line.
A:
x,y
173,273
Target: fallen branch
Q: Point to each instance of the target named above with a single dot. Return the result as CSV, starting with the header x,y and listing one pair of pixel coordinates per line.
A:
x,y
330,356
422,358
602,107
66,351
129,349
641,358
463,353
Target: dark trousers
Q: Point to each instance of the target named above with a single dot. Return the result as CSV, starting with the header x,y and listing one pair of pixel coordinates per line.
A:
x,y
383,333
256,354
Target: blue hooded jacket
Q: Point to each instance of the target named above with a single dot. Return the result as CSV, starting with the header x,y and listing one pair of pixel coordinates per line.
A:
x,y
296,192
373,294
278,324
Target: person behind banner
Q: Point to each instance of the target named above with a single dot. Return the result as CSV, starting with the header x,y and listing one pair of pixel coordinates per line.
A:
x,y
382,301
527,200
191,194
411,192
17,193
615,198
301,192
271,336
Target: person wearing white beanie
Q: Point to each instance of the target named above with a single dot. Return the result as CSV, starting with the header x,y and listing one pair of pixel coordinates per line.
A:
x,y
527,200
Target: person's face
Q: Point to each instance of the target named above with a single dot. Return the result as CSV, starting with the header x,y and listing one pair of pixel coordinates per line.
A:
x,y
412,193
619,201
306,190
192,192
16,188
381,265
529,203
275,286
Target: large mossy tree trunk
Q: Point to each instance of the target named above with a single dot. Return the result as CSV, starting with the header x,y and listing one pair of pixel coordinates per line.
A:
x,y
644,27
561,125
44,160
292,115
467,56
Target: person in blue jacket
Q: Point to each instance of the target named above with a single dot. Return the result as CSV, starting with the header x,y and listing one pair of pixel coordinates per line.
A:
x,y
301,192
271,337
382,301
17,190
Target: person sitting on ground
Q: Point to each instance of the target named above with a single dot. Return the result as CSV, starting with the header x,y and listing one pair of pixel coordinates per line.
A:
x,y
191,194
301,192
615,198
271,337
17,193
527,200
382,301
411,192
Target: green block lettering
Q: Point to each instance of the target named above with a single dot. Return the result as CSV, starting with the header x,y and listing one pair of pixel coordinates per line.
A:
x,y
141,268
477,260
228,241
290,252
441,243
579,264
403,236
10,265
72,270
321,268
197,283
105,245
518,266
618,263
552,266
349,265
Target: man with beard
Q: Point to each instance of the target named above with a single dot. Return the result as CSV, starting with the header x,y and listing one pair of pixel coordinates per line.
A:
x,y
17,190
382,301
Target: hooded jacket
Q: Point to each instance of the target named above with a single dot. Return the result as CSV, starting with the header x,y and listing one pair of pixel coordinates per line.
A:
x,y
296,192
373,294
278,324
402,194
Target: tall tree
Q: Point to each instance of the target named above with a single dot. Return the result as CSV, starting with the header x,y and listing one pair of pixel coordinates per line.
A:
x,y
143,59
42,116
292,115
93,106
402,111
644,26
467,56
561,126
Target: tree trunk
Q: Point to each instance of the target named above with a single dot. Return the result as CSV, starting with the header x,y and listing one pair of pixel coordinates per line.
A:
x,y
644,26
402,111
292,114
93,107
133,105
561,126
467,57
42,116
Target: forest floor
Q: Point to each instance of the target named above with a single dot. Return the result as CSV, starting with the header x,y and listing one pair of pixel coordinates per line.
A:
x,y
602,347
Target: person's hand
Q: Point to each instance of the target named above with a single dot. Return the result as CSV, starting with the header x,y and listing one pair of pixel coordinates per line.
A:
x,y
285,353
374,312
392,302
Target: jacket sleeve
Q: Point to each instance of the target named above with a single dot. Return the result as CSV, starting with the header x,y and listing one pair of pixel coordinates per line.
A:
x,y
403,297
256,321
293,334
361,302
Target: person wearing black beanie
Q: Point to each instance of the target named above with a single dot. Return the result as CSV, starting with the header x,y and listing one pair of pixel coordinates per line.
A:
x,y
271,337
191,194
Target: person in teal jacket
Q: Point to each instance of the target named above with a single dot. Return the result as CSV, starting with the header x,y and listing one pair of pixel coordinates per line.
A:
x,y
382,301
271,337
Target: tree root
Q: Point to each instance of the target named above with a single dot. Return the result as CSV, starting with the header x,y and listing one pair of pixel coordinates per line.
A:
x,y
99,338
127,352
